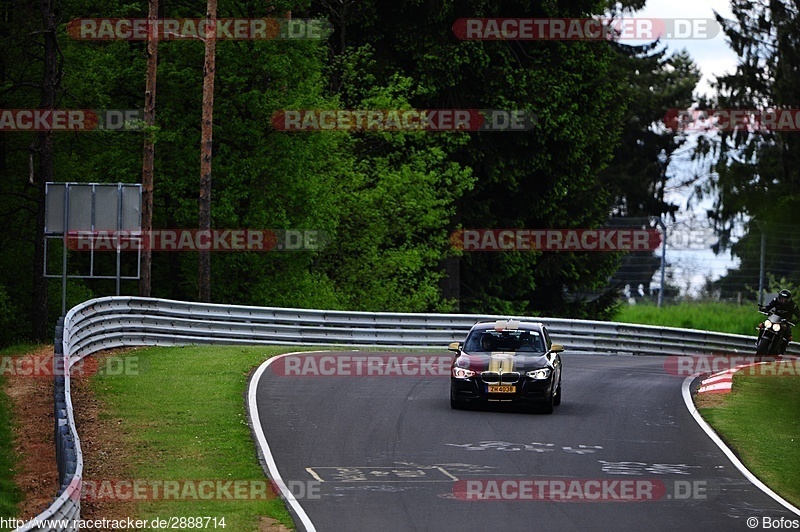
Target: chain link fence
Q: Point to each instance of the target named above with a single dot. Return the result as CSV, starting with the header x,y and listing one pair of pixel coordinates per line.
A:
x,y
747,263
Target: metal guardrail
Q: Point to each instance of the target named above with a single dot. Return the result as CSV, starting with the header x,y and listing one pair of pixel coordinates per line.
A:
x,y
110,322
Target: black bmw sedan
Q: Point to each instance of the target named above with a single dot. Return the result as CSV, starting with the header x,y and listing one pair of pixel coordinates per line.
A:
x,y
507,361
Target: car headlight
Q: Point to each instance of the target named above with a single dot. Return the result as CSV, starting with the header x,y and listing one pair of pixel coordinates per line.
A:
x,y
767,324
462,373
776,327
539,374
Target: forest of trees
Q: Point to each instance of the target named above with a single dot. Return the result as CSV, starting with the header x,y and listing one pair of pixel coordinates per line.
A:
x,y
388,201
756,174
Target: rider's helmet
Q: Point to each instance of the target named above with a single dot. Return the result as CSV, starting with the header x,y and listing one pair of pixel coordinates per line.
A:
x,y
784,296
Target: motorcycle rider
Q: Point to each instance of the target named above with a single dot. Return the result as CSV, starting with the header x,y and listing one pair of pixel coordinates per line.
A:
x,y
783,306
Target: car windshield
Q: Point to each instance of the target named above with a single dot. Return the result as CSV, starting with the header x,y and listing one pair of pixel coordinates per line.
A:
x,y
491,340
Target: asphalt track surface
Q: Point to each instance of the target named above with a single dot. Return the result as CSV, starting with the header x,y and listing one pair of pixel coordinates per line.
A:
x,y
387,453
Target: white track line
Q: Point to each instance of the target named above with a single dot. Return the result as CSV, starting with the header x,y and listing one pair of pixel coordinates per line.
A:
x,y
687,399
255,420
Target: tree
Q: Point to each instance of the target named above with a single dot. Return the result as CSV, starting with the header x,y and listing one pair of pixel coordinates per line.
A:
x,y
21,75
206,138
546,178
49,88
638,174
402,191
756,179
148,156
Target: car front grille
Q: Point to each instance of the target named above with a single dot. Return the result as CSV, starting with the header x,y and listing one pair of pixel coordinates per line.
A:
x,y
493,377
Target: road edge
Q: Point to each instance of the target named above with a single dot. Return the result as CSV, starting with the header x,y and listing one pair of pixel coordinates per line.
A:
x,y
690,406
266,453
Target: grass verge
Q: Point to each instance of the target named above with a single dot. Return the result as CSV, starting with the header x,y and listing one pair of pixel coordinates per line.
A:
x,y
721,317
10,494
180,415
760,421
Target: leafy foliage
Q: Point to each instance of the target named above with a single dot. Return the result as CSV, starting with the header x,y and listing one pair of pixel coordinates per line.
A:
x,y
387,202
758,172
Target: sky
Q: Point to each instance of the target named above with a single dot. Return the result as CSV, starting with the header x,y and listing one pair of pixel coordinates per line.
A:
x,y
713,56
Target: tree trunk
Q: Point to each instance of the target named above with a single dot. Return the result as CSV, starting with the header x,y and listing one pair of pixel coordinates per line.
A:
x,y
205,151
45,142
149,148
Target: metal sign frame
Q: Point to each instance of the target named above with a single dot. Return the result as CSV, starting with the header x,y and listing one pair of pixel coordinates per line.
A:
x,y
65,212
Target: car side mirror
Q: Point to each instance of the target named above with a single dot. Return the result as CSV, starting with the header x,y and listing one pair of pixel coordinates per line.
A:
x,y
557,348
454,346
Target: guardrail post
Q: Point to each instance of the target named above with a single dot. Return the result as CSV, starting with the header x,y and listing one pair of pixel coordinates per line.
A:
x,y
662,284
59,404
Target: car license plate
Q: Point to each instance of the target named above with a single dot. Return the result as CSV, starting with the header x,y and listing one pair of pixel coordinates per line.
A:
x,y
502,389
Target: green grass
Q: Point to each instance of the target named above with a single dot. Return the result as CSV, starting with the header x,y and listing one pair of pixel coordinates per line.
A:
x,y
10,494
760,421
182,417
721,317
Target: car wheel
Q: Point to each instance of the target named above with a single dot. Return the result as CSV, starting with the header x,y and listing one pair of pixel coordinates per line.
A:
x,y
454,404
557,399
547,408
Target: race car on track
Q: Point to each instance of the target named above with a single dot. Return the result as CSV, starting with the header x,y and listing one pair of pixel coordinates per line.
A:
x,y
507,361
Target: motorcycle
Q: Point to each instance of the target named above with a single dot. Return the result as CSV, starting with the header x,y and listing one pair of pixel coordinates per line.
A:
x,y
772,338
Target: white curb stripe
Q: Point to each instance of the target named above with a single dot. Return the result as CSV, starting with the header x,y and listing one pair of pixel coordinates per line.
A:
x,y
716,387
262,441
